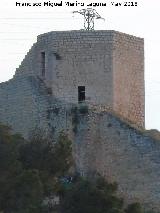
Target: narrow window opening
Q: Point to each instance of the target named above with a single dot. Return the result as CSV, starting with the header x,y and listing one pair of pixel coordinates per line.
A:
x,y
81,93
43,62
58,57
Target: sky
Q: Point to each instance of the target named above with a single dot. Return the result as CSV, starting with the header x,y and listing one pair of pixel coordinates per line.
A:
x,y
20,25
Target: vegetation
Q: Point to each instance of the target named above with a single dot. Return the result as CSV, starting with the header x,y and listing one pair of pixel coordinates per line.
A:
x,y
30,170
75,118
78,111
134,208
92,197
36,170
83,109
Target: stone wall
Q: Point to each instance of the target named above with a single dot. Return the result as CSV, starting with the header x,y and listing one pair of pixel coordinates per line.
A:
x,y
102,142
122,154
23,104
26,104
128,77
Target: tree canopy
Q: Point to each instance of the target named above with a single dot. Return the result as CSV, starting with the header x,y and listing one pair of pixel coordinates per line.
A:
x,y
30,170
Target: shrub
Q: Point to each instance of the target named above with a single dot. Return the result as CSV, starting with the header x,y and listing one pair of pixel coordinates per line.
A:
x,y
134,208
83,109
91,197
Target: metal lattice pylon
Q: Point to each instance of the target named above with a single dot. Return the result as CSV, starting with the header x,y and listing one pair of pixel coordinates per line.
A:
x,y
89,16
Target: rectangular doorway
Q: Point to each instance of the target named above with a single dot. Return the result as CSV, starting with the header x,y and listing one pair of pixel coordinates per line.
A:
x,y
81,93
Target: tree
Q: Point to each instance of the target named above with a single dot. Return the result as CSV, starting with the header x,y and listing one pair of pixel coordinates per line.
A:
x,y
10,167
62,155
25,193
42,154
52,159
134,208
91,197
29,170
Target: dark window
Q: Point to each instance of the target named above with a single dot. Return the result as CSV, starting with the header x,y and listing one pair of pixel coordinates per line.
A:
x,y
58,57
81,93
43,62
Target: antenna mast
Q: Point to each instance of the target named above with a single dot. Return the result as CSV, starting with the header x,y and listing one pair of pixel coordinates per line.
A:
x,y
89,16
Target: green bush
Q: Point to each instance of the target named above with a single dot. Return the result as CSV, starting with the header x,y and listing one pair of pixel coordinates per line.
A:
x,y
83,109
76,112
75,118
134,208
91,197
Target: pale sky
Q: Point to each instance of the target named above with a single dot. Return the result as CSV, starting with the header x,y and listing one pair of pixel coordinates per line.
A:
x,y
20,25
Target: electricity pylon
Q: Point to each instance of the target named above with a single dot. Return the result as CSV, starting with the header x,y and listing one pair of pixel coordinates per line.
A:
x,y
89,16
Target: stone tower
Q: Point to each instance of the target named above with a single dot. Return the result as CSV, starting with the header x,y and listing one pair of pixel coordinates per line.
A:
x,y
99,67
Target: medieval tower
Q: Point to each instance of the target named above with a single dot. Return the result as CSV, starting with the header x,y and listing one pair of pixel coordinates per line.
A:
x,y
99,67
103,70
